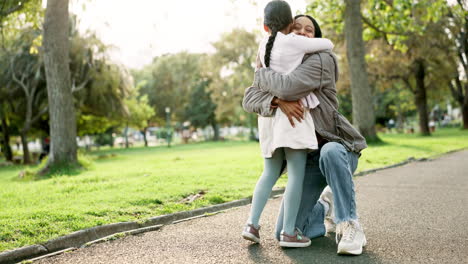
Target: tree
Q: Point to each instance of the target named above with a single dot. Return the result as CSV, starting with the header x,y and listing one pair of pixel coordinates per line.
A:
x,y
333,14
167,82
20,91
23,77
26,71
99,87
404,32
200,110
361,92
394,21
388,68
5,93
170,79
5,139
63,149
231,69
458,31
9,7
139,112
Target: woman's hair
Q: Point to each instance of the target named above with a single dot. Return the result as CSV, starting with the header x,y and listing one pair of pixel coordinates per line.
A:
x,y
277,17
317,31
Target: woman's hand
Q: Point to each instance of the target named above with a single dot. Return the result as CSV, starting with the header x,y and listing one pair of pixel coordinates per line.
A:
x,y
292,109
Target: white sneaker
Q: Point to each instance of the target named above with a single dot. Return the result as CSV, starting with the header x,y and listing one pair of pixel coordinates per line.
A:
x,y
327,197
351,238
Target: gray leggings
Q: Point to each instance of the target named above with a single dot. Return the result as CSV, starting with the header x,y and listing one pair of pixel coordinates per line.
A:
x,y
296,162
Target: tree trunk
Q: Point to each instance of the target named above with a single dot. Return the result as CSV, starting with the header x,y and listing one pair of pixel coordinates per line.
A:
x,y
460,94
215,126
126,135
6,140
421,98
464,107
24,143
361,91
144,136
400,122
465,115
61,108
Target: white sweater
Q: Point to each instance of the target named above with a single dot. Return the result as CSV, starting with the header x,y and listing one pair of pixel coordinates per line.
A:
x,y
276,132
287,53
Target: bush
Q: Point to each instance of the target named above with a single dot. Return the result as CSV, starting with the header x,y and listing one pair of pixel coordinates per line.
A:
x,y
104,139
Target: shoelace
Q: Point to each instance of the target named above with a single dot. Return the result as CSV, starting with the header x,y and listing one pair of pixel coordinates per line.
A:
x,y
299,234
298,231
349,232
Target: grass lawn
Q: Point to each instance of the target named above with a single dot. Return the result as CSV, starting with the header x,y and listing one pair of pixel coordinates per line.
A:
x,y
137,183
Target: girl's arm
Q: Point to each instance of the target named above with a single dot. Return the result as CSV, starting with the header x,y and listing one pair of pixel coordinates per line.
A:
x,y
317,71
309,45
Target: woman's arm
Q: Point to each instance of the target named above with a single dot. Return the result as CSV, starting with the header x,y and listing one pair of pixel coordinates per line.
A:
x,y
316,71
258,101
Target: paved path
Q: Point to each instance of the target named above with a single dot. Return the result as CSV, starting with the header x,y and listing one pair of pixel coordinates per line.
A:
x,y
417,213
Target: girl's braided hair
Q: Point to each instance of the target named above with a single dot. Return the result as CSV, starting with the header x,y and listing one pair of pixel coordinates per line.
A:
x,y
277,17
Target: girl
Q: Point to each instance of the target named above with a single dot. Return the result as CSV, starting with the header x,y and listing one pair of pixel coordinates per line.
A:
x,y
279,140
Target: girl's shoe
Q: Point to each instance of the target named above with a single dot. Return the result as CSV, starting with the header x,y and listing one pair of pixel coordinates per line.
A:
x,y
251,233
296,240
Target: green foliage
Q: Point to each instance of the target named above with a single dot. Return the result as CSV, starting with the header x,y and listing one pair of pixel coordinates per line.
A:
x,y
399,19
231,70
167,82
22,11
139,111
200,110
104,139
92,124
170,80
329,15
397,33
99,86
393,20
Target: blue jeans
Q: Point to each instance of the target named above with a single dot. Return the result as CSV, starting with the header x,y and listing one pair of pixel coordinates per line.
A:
x,y
332,165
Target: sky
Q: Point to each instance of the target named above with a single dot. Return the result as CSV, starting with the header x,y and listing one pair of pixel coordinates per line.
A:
x,y
142,29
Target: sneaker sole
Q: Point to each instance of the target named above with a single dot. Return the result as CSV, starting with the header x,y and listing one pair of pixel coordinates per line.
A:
x,y
250,237
352,252
294,244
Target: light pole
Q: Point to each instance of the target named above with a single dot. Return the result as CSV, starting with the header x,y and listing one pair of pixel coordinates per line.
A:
x,y
168,126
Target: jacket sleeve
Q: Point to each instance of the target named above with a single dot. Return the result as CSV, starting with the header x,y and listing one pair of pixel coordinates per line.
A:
x,y
305,79
257,101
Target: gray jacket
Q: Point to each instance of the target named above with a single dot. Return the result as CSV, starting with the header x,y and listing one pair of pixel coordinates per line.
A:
x,y
318,73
